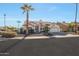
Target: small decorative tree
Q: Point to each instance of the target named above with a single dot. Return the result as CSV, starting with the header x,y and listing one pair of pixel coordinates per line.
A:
x,y
71,26
46,28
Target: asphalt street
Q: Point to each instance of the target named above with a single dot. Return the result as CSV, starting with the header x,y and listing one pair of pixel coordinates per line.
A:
x,y
41,47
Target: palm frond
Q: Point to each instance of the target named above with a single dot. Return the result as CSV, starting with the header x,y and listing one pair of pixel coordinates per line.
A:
x,y
32,9
23,12
23,8
30,6
27,7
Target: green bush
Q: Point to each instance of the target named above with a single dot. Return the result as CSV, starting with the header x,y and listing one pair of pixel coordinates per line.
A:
x,y
46,29
8,34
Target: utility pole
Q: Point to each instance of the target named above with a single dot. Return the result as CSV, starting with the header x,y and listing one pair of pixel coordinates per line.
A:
x,y
76,10
18,25
5,21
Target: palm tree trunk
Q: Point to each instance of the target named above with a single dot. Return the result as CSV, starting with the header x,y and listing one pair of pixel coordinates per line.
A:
x,y
27,19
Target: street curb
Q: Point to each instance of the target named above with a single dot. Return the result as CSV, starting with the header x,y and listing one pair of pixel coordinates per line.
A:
x,y
40,37
48,37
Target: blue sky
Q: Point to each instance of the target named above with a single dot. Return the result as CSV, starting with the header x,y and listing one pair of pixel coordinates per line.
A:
x,y
50,12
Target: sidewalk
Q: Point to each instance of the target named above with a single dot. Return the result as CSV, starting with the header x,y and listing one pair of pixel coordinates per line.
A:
x,y
56,36
40,37
47,37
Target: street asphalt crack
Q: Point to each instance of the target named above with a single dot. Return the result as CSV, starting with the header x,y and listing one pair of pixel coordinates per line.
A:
x,y
12,45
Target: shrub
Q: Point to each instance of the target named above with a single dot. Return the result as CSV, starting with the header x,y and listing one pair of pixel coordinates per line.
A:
x,y
8,34
46,29
77,32
9,28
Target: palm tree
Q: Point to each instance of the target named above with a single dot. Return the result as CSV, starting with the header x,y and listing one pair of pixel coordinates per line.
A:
x,y
26,8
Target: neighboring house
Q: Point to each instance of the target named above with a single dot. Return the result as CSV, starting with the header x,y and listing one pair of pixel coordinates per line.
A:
x,y
76,27
54,28
64,27
38,26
